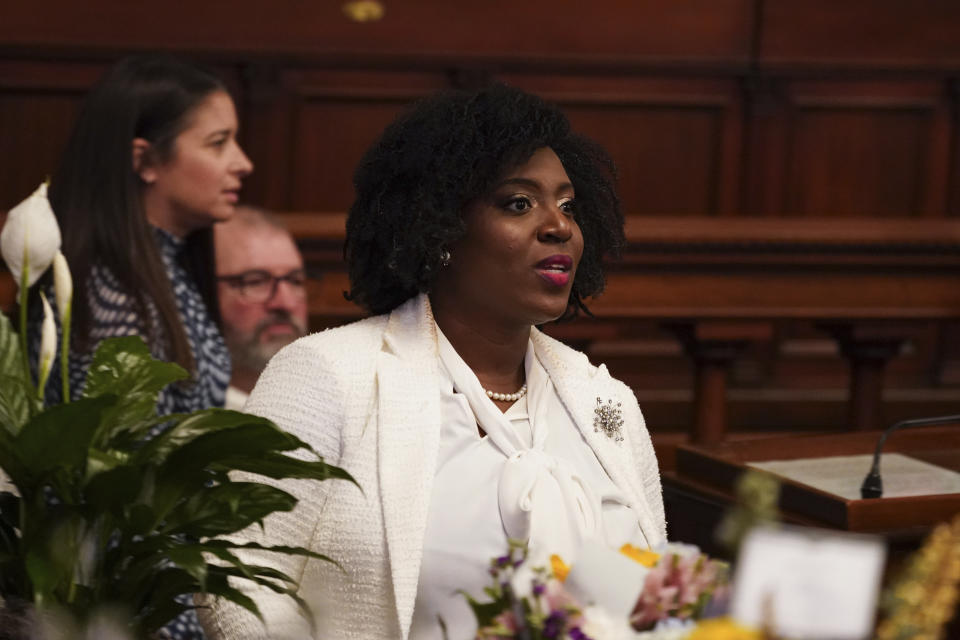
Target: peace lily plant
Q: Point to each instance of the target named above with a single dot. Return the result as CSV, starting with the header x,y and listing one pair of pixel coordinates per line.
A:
x,y
101,516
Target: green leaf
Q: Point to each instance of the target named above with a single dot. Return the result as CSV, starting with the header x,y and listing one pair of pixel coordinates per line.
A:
x,y
289,591
11,363
485,612
114,489
58,438
218,585
10,461
227,508
17,403
275,465
190,559
212,545
187,429
157,596
51,559
125,368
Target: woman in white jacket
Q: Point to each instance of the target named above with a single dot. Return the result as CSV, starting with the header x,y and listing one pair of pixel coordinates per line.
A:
x,y
478,216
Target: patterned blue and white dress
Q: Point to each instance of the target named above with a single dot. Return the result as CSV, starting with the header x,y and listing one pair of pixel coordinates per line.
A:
x,y
114,314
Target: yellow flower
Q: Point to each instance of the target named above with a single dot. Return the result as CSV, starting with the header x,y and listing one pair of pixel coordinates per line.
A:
x,y
642,556
722,629
559,567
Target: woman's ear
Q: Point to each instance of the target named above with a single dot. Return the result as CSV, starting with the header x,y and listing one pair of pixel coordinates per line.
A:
x,y
142,157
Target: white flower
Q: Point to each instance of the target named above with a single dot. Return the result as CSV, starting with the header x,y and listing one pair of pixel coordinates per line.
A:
x,y
522,581
48,344
62,286
598,625
679,549
30,237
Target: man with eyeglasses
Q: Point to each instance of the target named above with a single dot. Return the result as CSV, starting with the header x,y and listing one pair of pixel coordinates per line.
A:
x,y
261,286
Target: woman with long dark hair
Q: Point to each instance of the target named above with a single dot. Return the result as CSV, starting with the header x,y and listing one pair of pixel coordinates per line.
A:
x,y
152,163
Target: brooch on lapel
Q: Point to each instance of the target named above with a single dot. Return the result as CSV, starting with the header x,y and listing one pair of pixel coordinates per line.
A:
x,y
608,418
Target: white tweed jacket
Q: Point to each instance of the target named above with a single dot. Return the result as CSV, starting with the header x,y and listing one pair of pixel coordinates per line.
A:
x,y
366,397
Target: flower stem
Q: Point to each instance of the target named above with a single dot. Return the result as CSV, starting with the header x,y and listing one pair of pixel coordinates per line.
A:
x,y
65,353
24,293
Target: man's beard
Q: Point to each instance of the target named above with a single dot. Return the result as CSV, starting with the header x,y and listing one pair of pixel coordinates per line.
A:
x,y
252,353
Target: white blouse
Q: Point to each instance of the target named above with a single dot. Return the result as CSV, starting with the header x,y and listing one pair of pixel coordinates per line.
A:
x,y
532,477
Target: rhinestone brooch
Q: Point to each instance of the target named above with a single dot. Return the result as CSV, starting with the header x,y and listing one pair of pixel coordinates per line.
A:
x,y
608,418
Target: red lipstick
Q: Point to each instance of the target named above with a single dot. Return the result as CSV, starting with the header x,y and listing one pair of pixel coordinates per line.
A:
x,y
555,269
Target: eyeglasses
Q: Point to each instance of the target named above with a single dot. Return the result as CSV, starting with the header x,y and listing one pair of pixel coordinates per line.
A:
x,y
259,286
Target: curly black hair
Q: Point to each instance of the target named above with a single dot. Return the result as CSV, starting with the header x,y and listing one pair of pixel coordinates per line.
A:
x,y
446,151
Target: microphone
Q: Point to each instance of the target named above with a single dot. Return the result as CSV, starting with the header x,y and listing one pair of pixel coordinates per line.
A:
x,y
872,486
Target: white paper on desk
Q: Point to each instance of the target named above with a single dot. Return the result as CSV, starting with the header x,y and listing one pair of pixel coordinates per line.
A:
x,y
809,583
903,476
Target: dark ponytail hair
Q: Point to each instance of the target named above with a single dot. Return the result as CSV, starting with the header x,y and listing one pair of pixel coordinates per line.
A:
x,y
97,195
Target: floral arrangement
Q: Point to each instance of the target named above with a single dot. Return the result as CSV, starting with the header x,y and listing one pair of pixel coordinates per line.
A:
x,y
96,516
535,603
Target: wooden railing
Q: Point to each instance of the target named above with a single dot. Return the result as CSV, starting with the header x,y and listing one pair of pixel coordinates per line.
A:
x,y
720,285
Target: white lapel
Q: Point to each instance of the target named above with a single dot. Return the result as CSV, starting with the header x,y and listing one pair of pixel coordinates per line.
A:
x,y
408,441
579,385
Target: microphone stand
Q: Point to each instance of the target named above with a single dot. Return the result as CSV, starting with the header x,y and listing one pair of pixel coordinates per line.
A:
x,y
872,485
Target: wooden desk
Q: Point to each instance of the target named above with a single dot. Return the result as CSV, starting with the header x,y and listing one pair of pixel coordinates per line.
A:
x,y
700,490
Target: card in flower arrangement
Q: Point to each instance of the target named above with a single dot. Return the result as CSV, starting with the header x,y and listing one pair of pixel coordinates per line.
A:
x,y
808,583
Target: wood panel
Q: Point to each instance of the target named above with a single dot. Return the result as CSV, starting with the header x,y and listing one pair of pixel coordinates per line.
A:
x,y
676,141
845,147
338,115
38,103
892,34
714,31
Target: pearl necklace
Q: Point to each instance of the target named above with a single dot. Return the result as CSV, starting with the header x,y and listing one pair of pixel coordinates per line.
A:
x,y
507,397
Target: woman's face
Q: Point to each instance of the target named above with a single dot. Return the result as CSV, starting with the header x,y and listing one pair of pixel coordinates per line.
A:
x,y
517,261
199,183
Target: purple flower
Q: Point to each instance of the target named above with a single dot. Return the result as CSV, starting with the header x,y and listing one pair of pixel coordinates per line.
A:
x,y
554,624
577,634
539,589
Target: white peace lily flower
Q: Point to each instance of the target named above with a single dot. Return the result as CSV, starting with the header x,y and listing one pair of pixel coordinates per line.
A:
x,y
597,624
48,344
62,286
30,237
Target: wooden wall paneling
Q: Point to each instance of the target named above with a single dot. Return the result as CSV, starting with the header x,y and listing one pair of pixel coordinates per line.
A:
x,y
38,104
766,144
268,136
676,140
337,115
618,31
953,175
882,34
865,148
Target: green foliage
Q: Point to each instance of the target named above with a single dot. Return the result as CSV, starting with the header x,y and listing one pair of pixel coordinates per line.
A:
x,y
105,516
